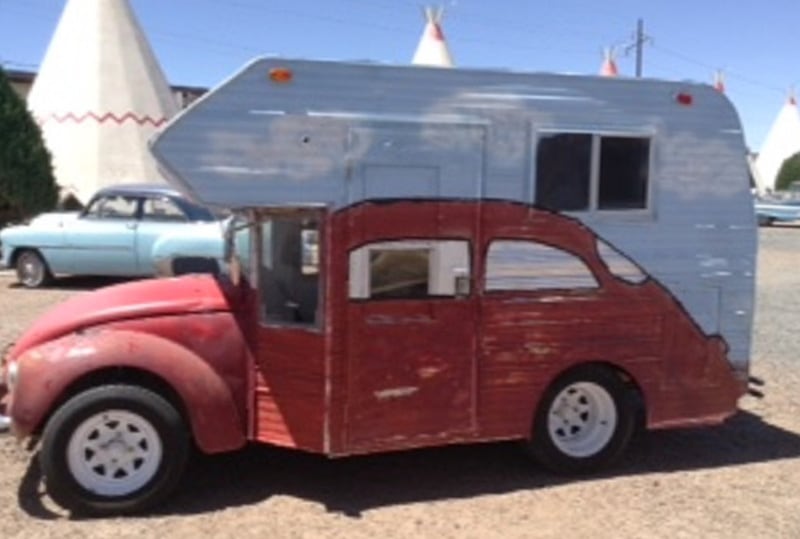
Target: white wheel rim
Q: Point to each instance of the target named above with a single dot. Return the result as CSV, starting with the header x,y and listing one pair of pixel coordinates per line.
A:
x,y
582,419
114,453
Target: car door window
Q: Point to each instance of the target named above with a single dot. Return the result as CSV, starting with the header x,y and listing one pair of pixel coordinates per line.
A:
x,y
113,207
162,209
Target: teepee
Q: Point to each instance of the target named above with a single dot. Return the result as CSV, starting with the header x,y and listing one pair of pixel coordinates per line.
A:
x,y
719,81
609,67
782,142
432,49
99,97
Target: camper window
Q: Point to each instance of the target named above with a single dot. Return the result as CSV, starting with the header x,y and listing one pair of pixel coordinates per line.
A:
x,y
563,167
525,265
586,172
410,269
624,168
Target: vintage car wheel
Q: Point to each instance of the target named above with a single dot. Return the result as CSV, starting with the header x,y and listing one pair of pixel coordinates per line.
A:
x,y
113,450
763,220
584,422
32,270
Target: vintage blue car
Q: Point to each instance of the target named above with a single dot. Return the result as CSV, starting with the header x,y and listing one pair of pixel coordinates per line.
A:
x,y
769,212
128,230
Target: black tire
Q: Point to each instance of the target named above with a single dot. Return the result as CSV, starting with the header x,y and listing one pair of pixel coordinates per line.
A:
x,y
584,421
113,449
32,270
765,221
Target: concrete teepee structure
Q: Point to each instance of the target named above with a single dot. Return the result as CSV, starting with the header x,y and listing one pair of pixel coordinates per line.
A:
x,y
782,142
609,67
99,97
432,49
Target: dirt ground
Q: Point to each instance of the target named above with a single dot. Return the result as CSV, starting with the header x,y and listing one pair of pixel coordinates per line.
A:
x,y
738,480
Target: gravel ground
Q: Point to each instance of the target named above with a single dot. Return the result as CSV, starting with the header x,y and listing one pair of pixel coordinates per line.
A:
x,y
738,480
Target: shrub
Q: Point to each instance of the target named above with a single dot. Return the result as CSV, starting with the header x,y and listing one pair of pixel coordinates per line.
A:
x,y
27,184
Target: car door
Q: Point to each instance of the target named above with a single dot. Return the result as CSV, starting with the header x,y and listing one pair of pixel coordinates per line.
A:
x,y
411,325
160,214
101,241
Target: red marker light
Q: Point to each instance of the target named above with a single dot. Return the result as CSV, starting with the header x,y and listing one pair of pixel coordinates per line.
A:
x,y
281,75
684,99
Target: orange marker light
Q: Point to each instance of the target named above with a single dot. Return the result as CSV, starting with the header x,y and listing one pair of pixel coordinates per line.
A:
x,y
281,75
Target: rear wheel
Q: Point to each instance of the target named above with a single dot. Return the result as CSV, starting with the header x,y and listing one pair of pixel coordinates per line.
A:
x,y
32,270
113,450
584,422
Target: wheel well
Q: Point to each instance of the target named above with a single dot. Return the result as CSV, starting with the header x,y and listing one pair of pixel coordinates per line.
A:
x,y
119,375
626,377
15,254
19,250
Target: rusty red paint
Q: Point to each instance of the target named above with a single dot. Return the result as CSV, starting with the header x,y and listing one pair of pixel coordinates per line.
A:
x,y
290,388
383,375
493,369
129,301
48,370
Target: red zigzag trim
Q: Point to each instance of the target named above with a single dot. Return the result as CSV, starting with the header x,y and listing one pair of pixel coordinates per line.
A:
x,y
105,118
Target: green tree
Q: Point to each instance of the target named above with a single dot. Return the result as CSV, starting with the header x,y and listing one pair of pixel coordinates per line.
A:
x,y
27,184
789,172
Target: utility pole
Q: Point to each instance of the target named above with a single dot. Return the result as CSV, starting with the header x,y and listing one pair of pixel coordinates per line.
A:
x,y
638,44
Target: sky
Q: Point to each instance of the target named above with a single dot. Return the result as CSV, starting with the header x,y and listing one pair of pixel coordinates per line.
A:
x,y
202,42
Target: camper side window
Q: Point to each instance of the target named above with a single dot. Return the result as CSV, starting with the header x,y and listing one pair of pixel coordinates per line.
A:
x,y
586,172
409,269
526,265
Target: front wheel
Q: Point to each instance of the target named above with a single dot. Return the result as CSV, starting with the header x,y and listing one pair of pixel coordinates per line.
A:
x,y
32,270
584,421
113,450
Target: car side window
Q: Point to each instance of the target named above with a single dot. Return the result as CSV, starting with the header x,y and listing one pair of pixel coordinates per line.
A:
x,y
527,265
113,207
410,269
162,209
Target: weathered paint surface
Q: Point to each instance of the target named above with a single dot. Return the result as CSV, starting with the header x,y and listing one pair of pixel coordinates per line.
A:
x,y
179,330
129,301
409,373
290,388
340,134
47,371
386,374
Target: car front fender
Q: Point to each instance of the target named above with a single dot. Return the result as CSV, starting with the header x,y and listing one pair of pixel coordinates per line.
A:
x,y
47,372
